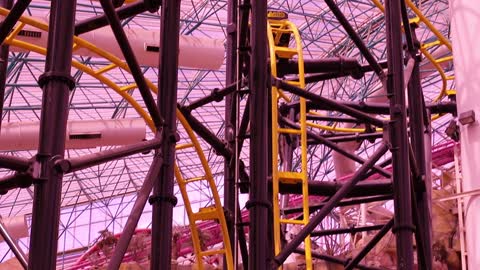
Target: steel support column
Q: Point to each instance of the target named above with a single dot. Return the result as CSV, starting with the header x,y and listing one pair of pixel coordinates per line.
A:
x,y
3,63
163,199
56,84
403,227
418,130
229,187
258,203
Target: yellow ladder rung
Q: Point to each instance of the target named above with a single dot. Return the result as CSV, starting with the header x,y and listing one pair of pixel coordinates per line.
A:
x,y
289,131
212,252
290,177
128,87
451,92
431,44
444,59
414,20
105,69
206,213
282,30
15,32
195,179
292,221
184,146
284,52
449,78
294,83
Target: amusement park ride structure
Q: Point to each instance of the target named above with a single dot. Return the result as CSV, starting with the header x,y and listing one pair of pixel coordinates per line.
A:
x,y
267,102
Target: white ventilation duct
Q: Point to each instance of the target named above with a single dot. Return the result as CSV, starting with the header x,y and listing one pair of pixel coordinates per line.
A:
x,y
80,134
195,52
465,18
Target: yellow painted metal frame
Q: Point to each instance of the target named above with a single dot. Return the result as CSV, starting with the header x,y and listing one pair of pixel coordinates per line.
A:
x,y
216,210
286,27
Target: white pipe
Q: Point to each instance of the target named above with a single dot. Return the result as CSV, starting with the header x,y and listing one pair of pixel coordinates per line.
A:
x,y
194,52
465,18
80,134
16,227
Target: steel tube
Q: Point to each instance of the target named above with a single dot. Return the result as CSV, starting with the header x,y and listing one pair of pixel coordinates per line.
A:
x,y
258,203
351,230
332,203
14,163
216,95
354,263
329,188
12,18
335,260
15,181
230,131
356,39
135,214
131,60
99,21
163,191
403,227
335,147
79,163
417,133
17,251
4,51
328,103
347,202
56,84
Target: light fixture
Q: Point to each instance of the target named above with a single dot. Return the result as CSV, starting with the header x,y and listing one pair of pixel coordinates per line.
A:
x,y
466,118
452,131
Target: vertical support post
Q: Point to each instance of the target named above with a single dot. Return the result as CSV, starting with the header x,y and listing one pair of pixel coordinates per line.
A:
x,y
163,198
403,227
259,204
56,84
229,179
417,133
3,64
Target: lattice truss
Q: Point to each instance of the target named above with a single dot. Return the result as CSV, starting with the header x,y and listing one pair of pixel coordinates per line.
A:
x,y
101,197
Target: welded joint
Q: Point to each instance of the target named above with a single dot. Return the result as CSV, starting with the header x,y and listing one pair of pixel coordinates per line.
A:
x,y
261,203
56,76
152,5
62,165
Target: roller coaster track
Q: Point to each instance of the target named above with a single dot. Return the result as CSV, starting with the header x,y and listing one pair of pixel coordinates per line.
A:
x,y
214,212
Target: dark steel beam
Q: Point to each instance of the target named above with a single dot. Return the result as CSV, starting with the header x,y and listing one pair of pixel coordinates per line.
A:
x,y
3,64
135,214
14,163
216,95
259,204
230,201
18,180
335,147
332,119
358,137
356,39
377,108
403,227
329,188
335,260
79,163
99,21
326,209
12,18
327,103
341,65
350,230
131,60
163,198
371,244
417,132
56,84
346,202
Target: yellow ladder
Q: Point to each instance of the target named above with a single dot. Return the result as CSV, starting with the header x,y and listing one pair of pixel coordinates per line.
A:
x,y
189,144
279,33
